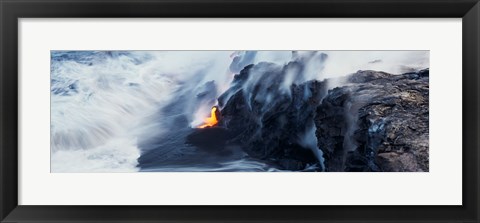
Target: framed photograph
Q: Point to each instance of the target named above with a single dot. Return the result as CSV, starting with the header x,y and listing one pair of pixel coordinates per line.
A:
x,y
239,111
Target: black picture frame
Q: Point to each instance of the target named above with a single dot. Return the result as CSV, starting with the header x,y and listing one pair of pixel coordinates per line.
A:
x,y
12,10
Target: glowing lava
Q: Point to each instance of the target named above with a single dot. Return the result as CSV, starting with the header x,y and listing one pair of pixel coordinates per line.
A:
x,y
210,121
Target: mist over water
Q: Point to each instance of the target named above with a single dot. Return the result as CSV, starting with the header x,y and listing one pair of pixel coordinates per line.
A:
x,y
105,104
100,99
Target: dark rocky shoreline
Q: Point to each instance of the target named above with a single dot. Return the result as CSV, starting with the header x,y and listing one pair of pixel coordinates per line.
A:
x,y
373,121
388,129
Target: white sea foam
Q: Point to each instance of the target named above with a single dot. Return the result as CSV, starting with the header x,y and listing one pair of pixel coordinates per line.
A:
x,y
99,103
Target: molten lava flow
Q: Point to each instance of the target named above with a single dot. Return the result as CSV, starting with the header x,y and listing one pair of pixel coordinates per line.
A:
x,y
210,121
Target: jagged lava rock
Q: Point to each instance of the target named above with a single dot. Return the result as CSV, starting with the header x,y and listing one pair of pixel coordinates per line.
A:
x,y
376,122
271,119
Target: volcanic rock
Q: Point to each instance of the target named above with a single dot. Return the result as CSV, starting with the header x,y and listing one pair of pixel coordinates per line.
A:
x,y
378,122
270,119
374,121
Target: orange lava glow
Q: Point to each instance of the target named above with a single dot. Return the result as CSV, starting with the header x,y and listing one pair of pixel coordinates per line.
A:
x,y
210,121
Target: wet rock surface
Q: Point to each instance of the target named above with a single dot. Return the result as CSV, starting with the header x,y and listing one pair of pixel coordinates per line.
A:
x,y
377,122
374,121
271,120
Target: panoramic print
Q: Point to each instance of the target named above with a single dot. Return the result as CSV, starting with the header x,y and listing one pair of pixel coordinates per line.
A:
x,y
239,111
